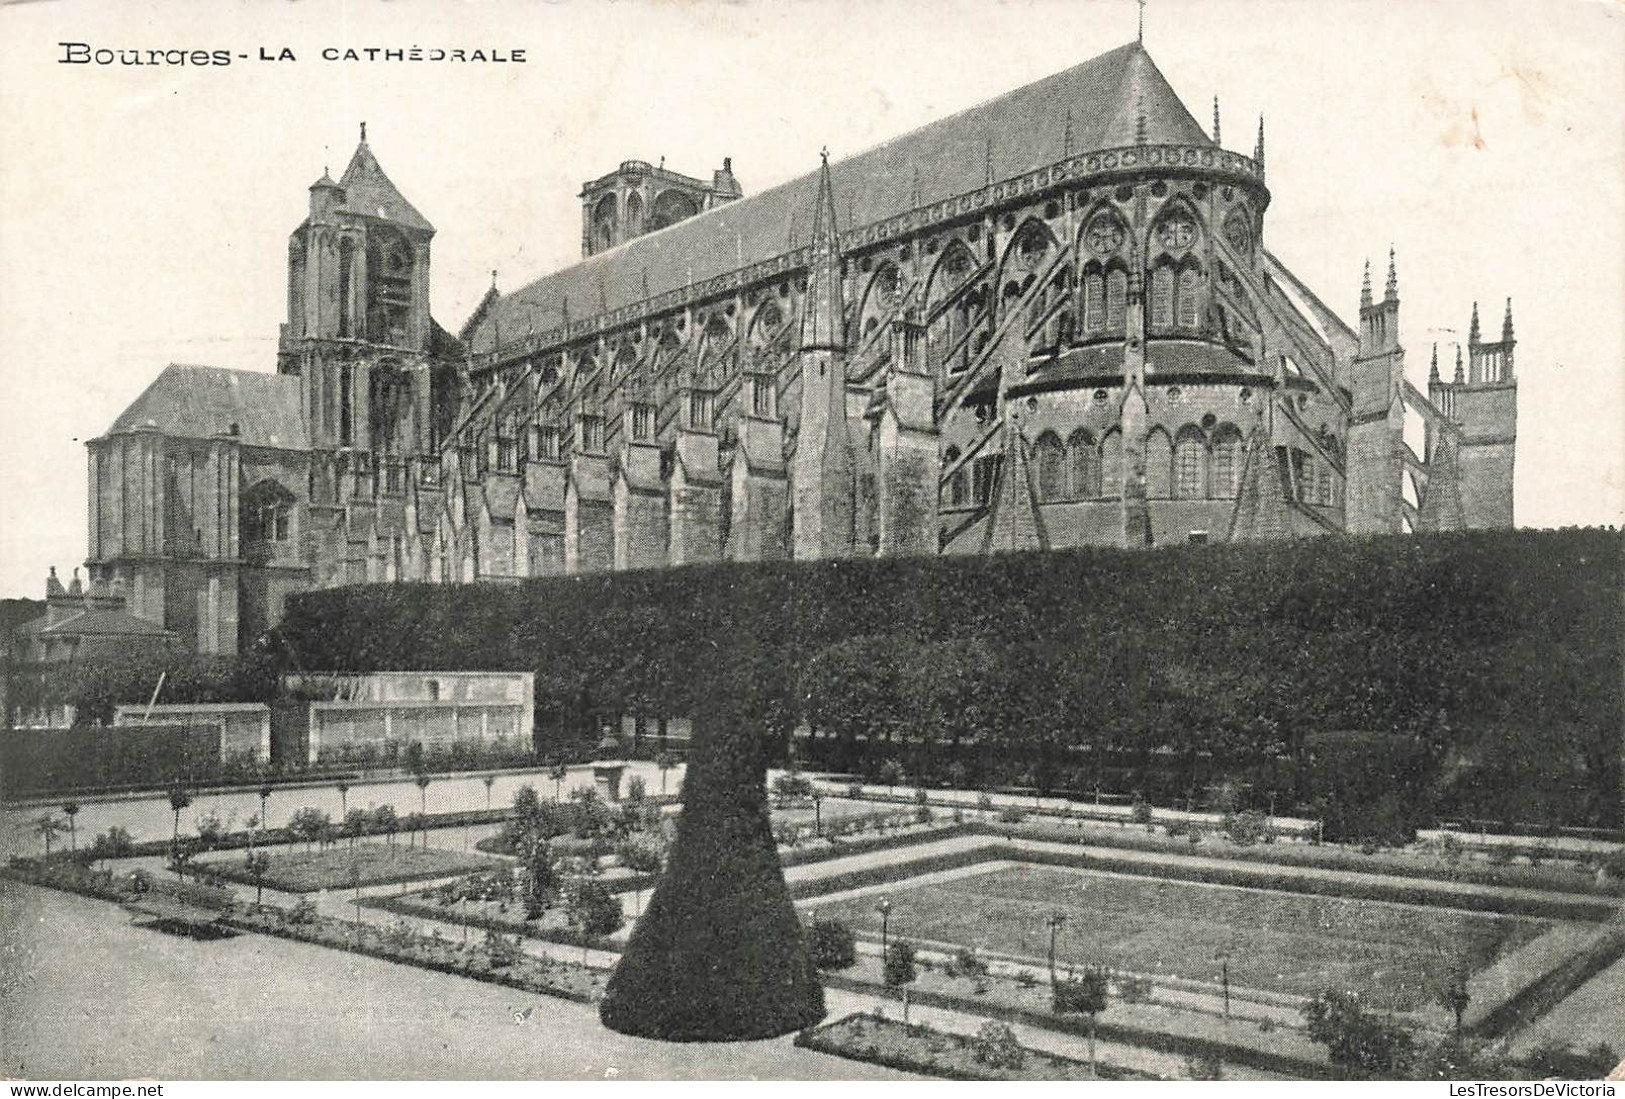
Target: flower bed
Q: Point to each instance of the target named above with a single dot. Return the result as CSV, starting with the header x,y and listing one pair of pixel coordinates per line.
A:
x,y
914,1048
266,837
344,867
550,927
504,966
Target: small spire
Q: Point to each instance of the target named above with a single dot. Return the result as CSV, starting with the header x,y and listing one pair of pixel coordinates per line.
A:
x,y
1461,377
493,278
1216,120
1140,37
1433,371
988,160
1472,329
1365,288
1258,150
822,312
1066,137
363,133
1391,291
1506,324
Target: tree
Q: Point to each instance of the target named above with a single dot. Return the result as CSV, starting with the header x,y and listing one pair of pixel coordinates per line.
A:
x,y
423,792
179,799
541,878
665,761
386,821
265,800
1353,1037
48,828
414,757
1452,993
210,830
258,864
594,910
70,809
181,853
1086,994
415,822
115,843
490,781
344,798
558,774
891,773
897,968
355,823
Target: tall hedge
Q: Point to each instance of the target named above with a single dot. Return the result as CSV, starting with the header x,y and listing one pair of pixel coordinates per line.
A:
x,y
1499,649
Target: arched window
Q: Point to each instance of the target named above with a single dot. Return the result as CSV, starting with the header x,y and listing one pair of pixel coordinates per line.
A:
x,y
634,214
1085,462
1051,468
1094,302
1190,305
1190,460
603,223
1111,464
1159,454
1225,478
1162,297
671,207
1116,300
1323,482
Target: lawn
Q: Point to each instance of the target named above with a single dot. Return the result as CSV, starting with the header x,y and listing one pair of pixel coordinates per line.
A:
x,y
338,867
1283,942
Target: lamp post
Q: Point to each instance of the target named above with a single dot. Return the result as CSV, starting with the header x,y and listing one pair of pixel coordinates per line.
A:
x,y
1055,921
818,816
884,908
1223,958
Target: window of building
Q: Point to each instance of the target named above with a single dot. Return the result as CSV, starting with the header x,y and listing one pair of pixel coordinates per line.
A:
x,y
1116,300
1162,297
700,406
1226,464
1111,464
1189,298
643,421
1085,465
1051,468
1188,455
984,475
1094,303
507,453
761,396
592,434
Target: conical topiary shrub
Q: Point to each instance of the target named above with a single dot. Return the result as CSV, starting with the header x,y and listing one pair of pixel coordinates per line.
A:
x,y
719,954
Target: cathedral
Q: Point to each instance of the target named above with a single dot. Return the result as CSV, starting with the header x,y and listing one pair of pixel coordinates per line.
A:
x,y
1050,320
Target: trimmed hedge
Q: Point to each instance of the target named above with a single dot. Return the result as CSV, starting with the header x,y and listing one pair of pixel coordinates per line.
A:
x,y
1325,857
1406,635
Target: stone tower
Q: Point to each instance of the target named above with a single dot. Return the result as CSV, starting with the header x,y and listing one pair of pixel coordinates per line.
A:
x,y
1376,434
1486,407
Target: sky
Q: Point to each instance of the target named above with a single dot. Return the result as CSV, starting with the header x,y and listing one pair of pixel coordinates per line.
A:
x,y
145,210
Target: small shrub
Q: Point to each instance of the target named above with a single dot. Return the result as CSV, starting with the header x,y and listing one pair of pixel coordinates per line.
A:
x,y
1132,989
1140,810
643,852
967,961
1205,1067
921,797
636,788
1194,835
593,909
1176,828
1011,815
1025,978
854,790
303,912
832,945
1246,828
984,802
1450,849
995,1045
924,814
1266,1025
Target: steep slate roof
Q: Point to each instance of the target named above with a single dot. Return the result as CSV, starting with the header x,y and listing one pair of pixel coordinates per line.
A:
x,y
1006,136
368,191
197,402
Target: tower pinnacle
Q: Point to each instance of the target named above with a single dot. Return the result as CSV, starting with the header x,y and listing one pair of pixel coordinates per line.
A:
x,y
363,133
1258,150
1433,371
1365,288
822,318
1391,291
1506,324
1472,329
1461,376
1215,120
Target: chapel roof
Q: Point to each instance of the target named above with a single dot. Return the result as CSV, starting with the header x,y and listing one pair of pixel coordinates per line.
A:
x,y
1117,99
198,402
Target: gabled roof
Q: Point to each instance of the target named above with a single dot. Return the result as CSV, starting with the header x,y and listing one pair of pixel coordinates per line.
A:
x,y
1106,98
97,623
369,192
197,402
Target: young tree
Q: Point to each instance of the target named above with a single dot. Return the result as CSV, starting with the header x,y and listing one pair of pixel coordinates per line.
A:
x,y
891,773
1087,994
47,828
490,781
558,774
415,822
423,792
265,800
387,822
355,823
665,761
414,757
258,863
179,799
70,809
541,878
832,944
344,798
